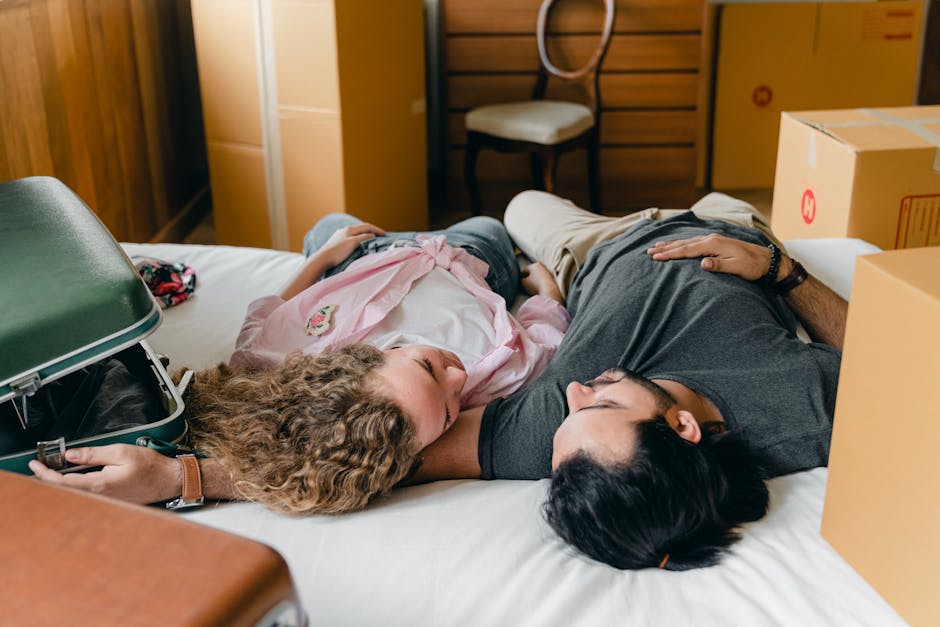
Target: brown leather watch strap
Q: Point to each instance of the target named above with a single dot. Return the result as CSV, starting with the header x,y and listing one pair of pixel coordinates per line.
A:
x,y
797,275
192,484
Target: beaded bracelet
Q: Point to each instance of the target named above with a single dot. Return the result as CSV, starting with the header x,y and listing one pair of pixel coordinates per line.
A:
x,y
771,277
797,275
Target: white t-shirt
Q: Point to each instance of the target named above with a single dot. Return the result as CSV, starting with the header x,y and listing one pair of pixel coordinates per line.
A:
x,y
438,312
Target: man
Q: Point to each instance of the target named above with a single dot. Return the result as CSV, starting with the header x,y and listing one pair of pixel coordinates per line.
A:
x,y
657,468
713,349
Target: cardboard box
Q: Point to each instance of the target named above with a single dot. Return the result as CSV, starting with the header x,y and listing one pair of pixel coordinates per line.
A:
x,y
882,507
867,173
775,57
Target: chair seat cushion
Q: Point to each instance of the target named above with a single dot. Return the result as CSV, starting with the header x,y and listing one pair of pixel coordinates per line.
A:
x,y
541,121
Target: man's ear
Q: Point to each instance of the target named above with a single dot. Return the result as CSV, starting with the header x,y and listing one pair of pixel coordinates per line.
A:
x,y
687,427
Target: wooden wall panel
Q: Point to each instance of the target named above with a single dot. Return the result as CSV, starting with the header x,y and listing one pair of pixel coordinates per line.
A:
x,y
649,93
630,164
648,177
23,124
500,16
95,93
618,91
519,53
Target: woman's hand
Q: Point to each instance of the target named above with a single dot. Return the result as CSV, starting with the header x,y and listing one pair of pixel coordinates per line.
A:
x,y
344,241
537,279
722,254
340,245
130,473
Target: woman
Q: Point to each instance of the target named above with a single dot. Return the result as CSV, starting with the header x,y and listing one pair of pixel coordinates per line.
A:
x,y
337,383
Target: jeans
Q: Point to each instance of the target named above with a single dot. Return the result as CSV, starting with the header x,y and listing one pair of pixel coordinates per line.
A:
x,y
483,237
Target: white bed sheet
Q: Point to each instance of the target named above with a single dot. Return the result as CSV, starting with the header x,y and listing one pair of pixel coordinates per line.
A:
x,y
479,553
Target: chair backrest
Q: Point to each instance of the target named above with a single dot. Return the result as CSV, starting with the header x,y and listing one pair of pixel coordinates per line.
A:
x,y
588,73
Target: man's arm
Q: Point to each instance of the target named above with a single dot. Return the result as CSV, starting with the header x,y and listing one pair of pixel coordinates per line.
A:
x,y
454,454
821,310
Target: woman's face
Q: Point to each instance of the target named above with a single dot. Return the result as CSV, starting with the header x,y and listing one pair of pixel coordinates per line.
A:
x,y
426,383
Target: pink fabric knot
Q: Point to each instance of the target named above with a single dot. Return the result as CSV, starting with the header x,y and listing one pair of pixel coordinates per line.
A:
x,y
435,246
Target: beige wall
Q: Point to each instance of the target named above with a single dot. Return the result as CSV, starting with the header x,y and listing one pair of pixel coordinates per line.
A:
x,y
228,77
383,116
330,95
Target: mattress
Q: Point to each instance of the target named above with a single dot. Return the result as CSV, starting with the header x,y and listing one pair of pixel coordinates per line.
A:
x,y
480,552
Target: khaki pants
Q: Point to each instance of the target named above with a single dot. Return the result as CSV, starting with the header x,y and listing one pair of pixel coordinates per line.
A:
x,y
558,234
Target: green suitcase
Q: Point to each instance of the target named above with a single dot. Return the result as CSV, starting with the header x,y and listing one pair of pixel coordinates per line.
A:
x,y
73,315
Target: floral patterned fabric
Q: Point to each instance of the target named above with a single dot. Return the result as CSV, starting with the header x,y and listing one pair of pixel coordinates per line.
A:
x,y
170,283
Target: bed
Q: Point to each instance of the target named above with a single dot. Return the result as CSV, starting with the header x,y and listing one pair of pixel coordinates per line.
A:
x,y
479,553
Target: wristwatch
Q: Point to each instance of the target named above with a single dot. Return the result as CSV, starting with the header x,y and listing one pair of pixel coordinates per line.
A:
x,y
192,484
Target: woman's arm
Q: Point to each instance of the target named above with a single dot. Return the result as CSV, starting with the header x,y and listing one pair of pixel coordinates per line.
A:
x,y
340,245
821,310
135,474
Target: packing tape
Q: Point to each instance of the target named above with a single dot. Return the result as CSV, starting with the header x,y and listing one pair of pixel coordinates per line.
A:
x,y
887,119
914,126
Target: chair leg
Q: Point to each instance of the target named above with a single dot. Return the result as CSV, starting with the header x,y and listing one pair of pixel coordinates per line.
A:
x,y
470,174
594,176
548,173
535,164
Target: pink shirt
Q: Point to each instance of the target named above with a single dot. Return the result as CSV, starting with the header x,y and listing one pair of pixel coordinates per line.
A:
x,y
372,286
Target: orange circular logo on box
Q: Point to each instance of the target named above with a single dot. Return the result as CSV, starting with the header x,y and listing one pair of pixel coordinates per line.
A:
x,y
808,206
762,95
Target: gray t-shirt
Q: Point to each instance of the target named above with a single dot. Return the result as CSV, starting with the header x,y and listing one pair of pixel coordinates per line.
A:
x,y
727,339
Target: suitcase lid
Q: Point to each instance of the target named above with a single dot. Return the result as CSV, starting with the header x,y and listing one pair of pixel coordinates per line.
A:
x,y
70,295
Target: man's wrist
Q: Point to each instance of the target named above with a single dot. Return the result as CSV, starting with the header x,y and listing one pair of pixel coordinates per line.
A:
x,y
773,265
784,268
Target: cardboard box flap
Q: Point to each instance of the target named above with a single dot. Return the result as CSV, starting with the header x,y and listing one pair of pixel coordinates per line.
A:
x,y
918,266
902,128
874,137
823,118
921,114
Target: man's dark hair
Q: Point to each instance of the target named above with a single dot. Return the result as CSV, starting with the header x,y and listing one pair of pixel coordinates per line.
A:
x,y
674,498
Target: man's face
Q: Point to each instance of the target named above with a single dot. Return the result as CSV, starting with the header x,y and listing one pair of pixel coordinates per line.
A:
x,y
604,413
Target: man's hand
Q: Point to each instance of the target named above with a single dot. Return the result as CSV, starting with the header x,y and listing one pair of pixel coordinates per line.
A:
x,y
130,473
537,279
722,254
822,311
344,241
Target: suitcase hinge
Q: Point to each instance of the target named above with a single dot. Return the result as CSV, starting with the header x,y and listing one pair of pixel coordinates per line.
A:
x,y
27,386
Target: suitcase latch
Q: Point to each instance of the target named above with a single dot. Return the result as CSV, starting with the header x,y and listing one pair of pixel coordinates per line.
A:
x,y
52,453
27,386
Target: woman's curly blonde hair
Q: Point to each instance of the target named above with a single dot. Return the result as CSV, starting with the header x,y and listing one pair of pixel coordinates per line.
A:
x,y
311,436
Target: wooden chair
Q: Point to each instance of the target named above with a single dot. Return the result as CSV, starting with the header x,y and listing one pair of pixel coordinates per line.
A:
x,y
544,128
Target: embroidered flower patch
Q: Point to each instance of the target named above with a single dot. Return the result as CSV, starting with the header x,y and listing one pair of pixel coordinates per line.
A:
x,y
321,321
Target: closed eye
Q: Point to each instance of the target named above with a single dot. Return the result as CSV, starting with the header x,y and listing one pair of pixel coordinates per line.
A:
x,y
427,366
603,405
